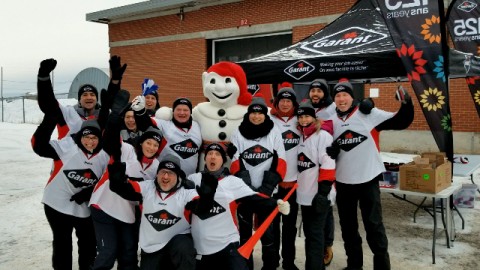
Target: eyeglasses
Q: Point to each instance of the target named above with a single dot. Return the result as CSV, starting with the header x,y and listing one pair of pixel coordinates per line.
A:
x,y
90,137
166,171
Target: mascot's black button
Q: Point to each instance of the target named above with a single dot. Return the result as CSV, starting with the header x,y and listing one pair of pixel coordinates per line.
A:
x,y
222,136
222,123
221,112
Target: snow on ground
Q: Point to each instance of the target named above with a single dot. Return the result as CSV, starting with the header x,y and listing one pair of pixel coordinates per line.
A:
x,y
25,241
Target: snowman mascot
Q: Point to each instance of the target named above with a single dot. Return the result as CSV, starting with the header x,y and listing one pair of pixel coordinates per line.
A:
x,y
225,87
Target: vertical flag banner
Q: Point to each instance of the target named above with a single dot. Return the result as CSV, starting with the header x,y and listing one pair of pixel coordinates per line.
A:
x,y
463,20
418,31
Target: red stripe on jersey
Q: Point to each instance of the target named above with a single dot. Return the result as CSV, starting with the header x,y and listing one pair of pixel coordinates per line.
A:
x,y
57,166
282,167
233,211
326,174
135,186
376,138
62,131
102,181
235,167
163,143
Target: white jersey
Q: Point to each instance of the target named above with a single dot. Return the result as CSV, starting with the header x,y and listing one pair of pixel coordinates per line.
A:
x,y
183,144
257,154
163,215
359,160
110,202
73,120
327,112
314,164
291,137
73,172
218,229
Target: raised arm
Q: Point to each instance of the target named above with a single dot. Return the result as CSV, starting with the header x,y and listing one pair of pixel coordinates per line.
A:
x,y
41,138
120,184
46,98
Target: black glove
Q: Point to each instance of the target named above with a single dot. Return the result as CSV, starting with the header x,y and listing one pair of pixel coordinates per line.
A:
x,y
120,101
269,182
206,191
105,100
116,172
244,175
116,68
46,66
333,150
82,196
320,202
366,106
231,150
402,95
188,184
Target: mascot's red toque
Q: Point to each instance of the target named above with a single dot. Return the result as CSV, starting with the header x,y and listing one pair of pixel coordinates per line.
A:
x,y
233,70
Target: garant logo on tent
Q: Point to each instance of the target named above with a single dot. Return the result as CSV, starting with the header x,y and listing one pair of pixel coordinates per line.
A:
x,y
352,37
467,6
299,69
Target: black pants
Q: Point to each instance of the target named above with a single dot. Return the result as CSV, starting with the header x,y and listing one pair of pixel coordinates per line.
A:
x,y
178,254
367,195
227,259
270,255
62,226
289,228
329,228
313,228
116,240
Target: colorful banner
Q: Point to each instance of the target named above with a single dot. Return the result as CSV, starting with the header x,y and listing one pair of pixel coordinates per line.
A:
x,y
417,31
463,20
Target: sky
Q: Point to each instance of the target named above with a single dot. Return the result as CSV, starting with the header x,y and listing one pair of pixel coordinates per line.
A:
x,y
25,241
32,31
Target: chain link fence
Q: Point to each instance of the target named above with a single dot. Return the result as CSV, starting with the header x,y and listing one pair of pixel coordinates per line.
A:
x,y
24,109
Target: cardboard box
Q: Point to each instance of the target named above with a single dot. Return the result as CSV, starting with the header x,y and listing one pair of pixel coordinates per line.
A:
x,y
465,197
431,173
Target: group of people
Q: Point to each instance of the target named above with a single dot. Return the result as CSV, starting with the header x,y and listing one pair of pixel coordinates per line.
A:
x,y
123,178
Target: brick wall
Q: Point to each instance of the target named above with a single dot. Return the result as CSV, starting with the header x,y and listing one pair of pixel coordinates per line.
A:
x,y
177,66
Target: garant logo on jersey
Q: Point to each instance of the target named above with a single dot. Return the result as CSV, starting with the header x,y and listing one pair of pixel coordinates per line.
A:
x,y
256,155
350,139
215,210
467,6
185,149
299,69
81,178
290,139
161,220
352,37
304,163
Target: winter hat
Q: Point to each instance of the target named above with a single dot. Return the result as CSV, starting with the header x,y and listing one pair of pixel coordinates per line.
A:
x,y
216,147
287,93
150,88
258,105
87,88
172,163
151,133
319,83
90,127
182,101
306,108
343,87
233,70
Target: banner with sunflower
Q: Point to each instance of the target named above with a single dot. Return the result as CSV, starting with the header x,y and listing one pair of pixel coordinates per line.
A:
x,y
463,21
418,33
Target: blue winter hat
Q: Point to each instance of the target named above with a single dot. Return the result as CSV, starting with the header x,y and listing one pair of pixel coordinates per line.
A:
x,y
149,87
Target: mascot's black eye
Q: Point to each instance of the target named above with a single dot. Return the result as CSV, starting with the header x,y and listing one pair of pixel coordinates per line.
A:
x,y
228,80
212,81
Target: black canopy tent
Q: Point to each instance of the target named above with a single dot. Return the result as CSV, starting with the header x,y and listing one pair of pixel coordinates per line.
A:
x,y
357,46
